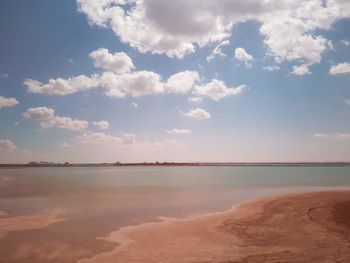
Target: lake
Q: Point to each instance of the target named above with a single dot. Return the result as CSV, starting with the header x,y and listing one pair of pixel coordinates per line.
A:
x,y
92,202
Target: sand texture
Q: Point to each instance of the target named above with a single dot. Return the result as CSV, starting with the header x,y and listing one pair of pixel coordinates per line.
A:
x,y
307,227
27,222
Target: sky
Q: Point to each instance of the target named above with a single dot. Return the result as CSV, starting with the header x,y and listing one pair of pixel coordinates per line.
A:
x,y
182,81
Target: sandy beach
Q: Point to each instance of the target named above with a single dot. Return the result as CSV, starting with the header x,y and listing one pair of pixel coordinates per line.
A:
x,y
306,227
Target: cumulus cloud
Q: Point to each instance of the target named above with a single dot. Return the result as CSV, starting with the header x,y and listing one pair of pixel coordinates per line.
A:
x,y
7,145
345,42
243,56
178,27
301,70
39,113
103,125
95,138
141,83
135,84
217,51
65,123
48,119
7,102
179,131
271,68
134,104
288,40
332,136
150,25
119,80
103,138
217,90
341,68
198,114
118,62
62,86
182,82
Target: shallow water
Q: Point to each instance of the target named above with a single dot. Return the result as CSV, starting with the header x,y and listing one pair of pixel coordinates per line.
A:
x,y
97,201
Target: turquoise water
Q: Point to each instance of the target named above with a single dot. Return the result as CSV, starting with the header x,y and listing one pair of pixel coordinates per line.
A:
x,y
168,191
97,201
186,176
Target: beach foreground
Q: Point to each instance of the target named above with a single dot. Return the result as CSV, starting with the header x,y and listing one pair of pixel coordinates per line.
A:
x,y
307,227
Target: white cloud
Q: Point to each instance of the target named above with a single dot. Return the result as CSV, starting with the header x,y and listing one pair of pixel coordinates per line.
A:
x,y
216,90
135,84
347,102
7,145
119,82
103,125
345,42
134,104
177,27
170,27
7,102
95,138
182,82
39,113
332,136
103,138
217,51
198,114
118,62
195,99
287,39
243,56
141,83
64,123
49,120
341,68
179,131
301,70
62,86
271,67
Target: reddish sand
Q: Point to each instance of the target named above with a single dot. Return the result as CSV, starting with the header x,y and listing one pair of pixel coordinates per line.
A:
x,y
10,224
308,227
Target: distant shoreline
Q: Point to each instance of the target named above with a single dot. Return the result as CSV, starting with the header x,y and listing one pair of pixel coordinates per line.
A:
x,y
175,164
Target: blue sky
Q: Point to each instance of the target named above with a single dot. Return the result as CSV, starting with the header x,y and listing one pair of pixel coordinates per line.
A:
x,y
92,81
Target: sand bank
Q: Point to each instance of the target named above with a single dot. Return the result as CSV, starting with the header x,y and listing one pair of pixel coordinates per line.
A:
x,y
307,227
27,222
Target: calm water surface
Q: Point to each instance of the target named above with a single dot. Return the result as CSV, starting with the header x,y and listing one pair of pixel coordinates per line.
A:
x,y
146,191
97,201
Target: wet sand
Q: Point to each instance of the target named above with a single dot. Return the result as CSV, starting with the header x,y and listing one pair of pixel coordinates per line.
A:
x,y
306,227
20,223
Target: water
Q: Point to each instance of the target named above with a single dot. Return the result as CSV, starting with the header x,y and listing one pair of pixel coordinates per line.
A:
x,y
97,201
174,191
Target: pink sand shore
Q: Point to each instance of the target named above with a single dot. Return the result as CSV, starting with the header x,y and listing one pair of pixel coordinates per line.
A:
x,y
303,227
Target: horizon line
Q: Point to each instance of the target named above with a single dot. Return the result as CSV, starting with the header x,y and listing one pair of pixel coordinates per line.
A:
x,y
157,163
